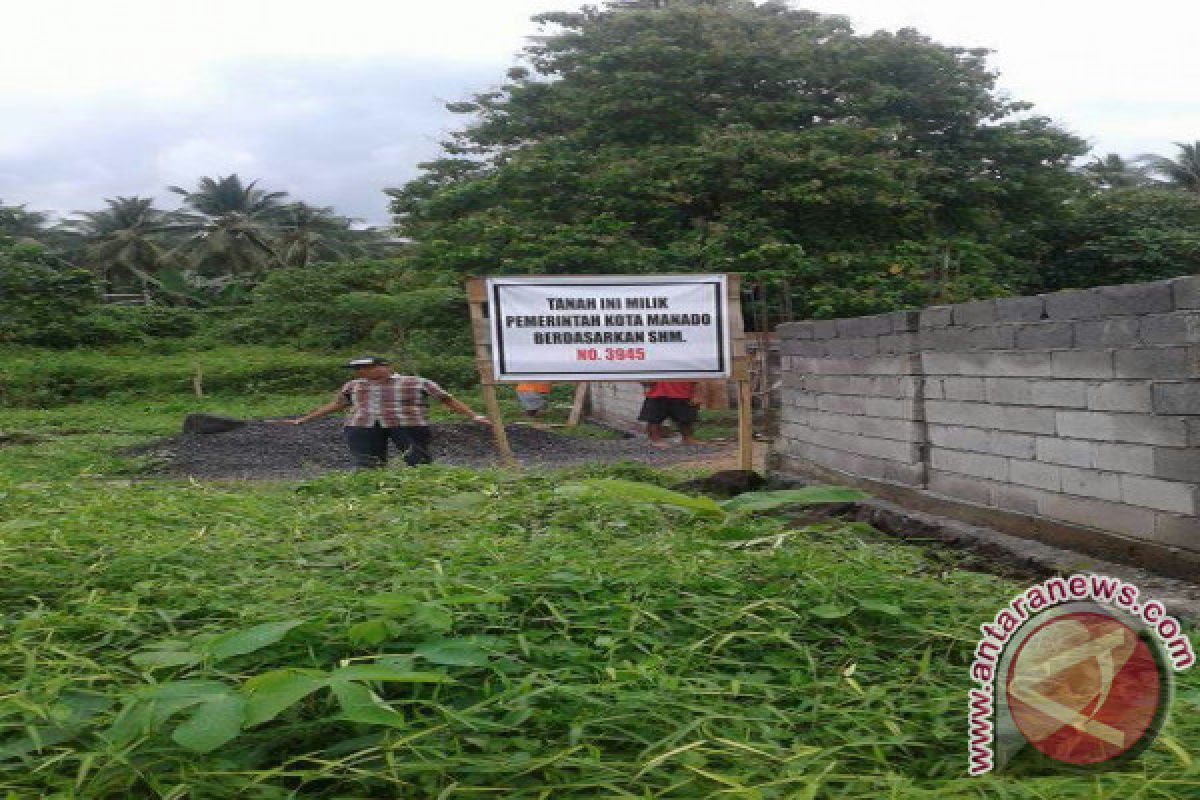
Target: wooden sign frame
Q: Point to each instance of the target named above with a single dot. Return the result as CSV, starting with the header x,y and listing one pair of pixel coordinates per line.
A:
x,y
739,369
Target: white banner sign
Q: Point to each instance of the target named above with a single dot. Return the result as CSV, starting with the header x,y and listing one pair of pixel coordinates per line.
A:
x,y
611,327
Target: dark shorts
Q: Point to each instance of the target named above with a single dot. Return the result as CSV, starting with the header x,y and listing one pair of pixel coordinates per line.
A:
x,y
369,446
657,409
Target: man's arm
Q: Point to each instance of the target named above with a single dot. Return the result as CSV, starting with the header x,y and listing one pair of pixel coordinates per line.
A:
x,y
338,402
452,402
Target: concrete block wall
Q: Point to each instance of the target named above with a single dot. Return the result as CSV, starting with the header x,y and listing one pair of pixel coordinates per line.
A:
x,y
1081,407
616,404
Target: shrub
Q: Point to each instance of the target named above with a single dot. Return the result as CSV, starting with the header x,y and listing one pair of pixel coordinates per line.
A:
x,y
42,297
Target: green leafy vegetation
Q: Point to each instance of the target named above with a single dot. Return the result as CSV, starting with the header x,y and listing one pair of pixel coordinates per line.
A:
x,y
445,631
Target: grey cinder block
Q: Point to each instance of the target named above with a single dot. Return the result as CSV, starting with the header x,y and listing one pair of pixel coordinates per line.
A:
x,y
1082,363
1035,474
982,312
1177,463
1020,309
1102,514
1115,427
1090,483
1179,498
1186,291
1112,332
1120,396
935,317
1177,398
1045,336
1180,327
1071,452
795,330
963,488
1152,362
1061,394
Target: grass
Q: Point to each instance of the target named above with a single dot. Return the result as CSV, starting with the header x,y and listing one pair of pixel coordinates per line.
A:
x,y
521,642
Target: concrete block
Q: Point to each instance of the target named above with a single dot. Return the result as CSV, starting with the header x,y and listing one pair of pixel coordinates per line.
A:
x,y
1113,427
1013,445
824,328
1177,463
1045,336
941,340
804,347
963,389
1152,362
1131,520
795,330
1021,499
1009,391
1061,394
933,389
1180,327
861,346
899,343
976,465
1137,459
1120,396
1020,309
1176,530
1035,474
1186,291
1025,419
935,317
981,312
864,326
1091,483
988,337
905,321
1127,299
1071,452
1177,398
974,491
889,407
1035,365
1179,498
841,403
1112,332
980,415
957,437
1082,363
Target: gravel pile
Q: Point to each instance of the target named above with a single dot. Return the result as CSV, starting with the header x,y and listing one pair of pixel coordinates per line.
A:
x,y
264,449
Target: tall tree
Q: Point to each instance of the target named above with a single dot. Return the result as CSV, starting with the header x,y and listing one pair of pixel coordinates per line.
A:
x,y
125,239
723,134
1180,172
315,233
229,226
1114,172
18,222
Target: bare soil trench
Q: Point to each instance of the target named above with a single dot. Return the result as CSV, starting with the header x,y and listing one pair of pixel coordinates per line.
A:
x,y
266,449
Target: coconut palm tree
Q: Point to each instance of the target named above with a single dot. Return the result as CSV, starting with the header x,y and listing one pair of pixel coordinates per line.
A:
x,y
1114,172
128,236
18,222
1181,172
230,226
315,233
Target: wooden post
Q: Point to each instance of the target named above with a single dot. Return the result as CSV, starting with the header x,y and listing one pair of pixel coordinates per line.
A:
x,y
741,374
197,379
581,390
476,297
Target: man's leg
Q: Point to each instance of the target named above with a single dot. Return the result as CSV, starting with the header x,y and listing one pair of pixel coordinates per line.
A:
x,y
653,414
368,446
416,439
684,414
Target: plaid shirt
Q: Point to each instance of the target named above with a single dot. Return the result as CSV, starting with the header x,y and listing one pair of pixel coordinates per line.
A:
x,y
399,401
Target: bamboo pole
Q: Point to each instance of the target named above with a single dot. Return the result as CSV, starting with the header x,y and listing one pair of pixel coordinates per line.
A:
x,y
581,390
476,296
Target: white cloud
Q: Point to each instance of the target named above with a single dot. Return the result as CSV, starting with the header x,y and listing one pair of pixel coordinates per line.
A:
x,y
333,102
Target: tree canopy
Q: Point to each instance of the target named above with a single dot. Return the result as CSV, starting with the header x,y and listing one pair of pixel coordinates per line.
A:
x,y
874,171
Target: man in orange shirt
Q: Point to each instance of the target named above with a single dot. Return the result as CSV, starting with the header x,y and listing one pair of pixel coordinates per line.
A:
x,y
676,400
532,397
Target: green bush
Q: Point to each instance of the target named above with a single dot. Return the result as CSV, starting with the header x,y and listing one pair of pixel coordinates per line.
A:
x,y
37,377
116,324
42,297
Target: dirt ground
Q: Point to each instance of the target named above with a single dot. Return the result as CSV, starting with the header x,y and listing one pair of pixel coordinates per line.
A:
x,y
265,449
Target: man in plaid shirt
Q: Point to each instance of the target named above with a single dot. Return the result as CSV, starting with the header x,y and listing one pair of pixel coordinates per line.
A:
x,y
387,406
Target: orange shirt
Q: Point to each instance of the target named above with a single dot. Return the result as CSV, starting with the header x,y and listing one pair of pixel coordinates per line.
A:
x,y
540,388
678,390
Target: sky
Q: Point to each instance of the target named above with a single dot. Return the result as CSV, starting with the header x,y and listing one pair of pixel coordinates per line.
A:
x,y
334,101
